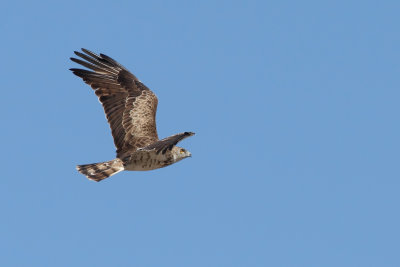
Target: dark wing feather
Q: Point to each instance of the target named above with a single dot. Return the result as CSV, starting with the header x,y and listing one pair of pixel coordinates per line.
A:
x,y
129,105
167,143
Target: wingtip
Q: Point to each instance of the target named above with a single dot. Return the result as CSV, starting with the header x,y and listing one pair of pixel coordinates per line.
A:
x,y
189,133
75,60
88,52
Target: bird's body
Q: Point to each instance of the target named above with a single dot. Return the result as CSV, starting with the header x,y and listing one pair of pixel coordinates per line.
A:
x,y
130,109
149,160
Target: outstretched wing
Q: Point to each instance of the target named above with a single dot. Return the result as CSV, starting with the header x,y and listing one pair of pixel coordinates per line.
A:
x,y
130,106
167,143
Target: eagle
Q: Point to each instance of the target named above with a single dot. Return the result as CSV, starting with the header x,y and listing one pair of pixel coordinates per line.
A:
x,y
130,109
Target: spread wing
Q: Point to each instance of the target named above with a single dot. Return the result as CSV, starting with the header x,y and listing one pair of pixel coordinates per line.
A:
x,y
167,143
130,106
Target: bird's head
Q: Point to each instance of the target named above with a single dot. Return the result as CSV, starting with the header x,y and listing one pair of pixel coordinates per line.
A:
x,y
180,153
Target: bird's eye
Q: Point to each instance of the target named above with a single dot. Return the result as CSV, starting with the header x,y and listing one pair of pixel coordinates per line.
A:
x,y
182,151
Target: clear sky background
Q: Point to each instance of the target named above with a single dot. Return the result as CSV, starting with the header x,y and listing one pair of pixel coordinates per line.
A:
x,y
295,105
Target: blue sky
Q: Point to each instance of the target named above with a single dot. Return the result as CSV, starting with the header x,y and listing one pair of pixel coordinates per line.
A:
x,y
295,105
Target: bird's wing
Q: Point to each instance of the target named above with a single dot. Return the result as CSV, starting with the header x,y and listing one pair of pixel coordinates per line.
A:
x,y
130,106
167,143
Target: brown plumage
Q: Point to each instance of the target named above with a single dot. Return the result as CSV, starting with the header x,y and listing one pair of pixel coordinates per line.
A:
x,y
130,109
100,171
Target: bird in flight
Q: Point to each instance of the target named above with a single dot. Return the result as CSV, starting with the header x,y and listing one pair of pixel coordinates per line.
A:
x,y
130,109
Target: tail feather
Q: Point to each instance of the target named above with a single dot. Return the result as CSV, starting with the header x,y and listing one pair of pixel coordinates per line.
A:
x,y
102,170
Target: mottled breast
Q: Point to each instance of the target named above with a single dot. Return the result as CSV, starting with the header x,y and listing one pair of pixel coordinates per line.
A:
x,y
147,160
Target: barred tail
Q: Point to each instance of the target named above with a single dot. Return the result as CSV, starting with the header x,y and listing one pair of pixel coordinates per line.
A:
x,y
102,170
